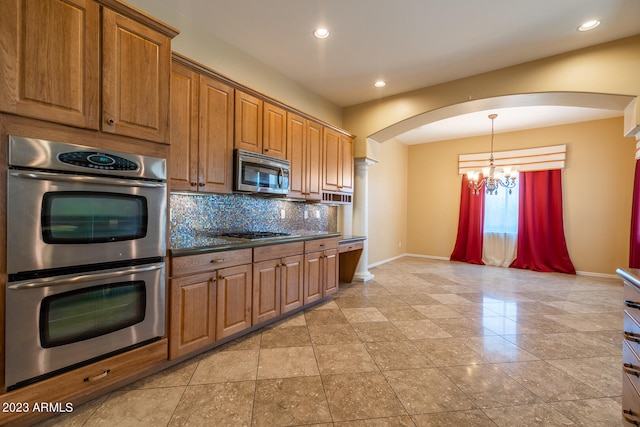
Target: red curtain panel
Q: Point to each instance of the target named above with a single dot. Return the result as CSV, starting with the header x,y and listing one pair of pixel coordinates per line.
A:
x,y
541,242
468,246
634,244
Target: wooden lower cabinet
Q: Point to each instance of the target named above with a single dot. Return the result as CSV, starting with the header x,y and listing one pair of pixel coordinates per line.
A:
x,y
234,300
291,290
266,290
193,313
320,269
330,270
277,280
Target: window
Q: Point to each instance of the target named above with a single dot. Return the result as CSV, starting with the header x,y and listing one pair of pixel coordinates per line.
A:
x,y
501,211
500,230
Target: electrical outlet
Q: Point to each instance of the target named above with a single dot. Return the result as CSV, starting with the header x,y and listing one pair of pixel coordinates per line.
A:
x,y
283,214
306,214
318,214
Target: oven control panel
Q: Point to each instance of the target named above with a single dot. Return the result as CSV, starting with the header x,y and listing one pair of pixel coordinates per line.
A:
x,y
95,160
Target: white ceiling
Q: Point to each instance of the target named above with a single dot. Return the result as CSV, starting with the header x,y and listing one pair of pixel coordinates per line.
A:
x,y
408,43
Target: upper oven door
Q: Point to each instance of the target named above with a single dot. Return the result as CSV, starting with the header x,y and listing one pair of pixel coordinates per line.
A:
x,y
258,173
59,220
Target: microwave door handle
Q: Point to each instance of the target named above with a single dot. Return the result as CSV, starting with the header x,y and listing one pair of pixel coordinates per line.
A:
x,y
72,279
280,177
45,176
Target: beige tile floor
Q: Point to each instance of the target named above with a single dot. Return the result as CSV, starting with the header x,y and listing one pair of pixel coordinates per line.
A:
x,y
427,343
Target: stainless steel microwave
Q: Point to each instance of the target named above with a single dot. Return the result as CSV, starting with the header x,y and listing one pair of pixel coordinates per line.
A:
x,y
258,173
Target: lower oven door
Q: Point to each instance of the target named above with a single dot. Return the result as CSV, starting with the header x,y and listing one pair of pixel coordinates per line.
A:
x,y
57,323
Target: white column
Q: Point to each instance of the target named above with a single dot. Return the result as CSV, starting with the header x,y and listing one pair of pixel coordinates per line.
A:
x,y
361,214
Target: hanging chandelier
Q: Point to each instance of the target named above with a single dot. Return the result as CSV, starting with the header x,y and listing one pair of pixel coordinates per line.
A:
x,y
492,177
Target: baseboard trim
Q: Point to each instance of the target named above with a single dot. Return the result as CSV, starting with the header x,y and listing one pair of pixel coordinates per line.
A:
x,y
441,258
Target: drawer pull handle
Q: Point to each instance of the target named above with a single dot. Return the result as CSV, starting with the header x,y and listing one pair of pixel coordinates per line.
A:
x,y
629,420
631,369
632,304
217,260
98,377
630,336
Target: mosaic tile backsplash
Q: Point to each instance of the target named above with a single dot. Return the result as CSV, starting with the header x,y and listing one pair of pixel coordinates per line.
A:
x,y
213,213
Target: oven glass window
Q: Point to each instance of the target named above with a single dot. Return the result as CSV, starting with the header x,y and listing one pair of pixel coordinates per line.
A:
x,y
87,313
78,217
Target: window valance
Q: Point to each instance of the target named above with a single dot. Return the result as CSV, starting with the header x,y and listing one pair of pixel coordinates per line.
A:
x,y
529,159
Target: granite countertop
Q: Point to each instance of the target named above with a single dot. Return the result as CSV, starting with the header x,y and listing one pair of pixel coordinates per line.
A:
x,y
204,242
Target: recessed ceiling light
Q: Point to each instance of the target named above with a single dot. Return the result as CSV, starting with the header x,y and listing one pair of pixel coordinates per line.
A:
x,y
379,83
589,25
321,33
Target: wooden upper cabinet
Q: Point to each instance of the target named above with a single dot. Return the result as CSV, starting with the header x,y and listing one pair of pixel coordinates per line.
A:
x,y
183,165
248,122
332,179
314,161
215,173
337,161
296,153
50,66
201,133
274,142
50,60
346,163
136,67
304,151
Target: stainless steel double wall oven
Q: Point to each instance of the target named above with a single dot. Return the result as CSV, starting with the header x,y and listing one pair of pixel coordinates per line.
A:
x,y
86,240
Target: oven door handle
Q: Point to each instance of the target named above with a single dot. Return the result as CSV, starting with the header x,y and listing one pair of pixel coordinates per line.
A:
x,y
80,278
46,176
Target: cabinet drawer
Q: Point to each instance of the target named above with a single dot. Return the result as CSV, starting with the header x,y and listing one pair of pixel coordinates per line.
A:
x,y
210,261
320,245
630,403
631,333
348,247
264,253
632,300
84,383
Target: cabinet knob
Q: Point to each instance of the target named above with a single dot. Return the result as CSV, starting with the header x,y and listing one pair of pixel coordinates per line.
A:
x,y
201,184
110,121
193,183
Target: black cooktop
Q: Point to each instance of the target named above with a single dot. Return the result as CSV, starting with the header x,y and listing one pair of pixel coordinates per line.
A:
x,y
255,235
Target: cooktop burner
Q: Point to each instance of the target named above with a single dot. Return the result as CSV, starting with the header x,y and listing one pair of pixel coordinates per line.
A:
x,y
255,235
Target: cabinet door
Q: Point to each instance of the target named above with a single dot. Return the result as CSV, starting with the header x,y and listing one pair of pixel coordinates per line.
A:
x,y
50,60
266,290
346,164
312,277
248,120
136,64
274,142
291,285
313,161
296,154
330,271
234,300
184,129
193,313
216,136
331,160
